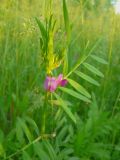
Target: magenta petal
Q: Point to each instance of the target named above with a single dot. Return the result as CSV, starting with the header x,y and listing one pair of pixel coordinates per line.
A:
x,y
59,79
53,84
63,82
50,84
46,83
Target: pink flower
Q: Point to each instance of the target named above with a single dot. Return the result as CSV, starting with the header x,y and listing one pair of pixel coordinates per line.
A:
x,y
51,83
60,81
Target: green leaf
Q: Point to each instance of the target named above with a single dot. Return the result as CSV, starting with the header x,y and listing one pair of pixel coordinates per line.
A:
x,y
83,58
56,102
1,136
25,156
42,28
93,69
50,150
100,60
2,151
25,129
19,132
65,65
80,61
63,132
40,152
87,78
33,124
50,22
79,88
75,158
75,94
62,120
65,108
66,19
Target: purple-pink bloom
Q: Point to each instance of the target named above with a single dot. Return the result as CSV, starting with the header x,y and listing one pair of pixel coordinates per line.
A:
x,y
62,82
51,83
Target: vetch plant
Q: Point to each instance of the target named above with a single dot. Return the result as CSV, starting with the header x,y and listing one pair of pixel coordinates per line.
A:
x,y
54,61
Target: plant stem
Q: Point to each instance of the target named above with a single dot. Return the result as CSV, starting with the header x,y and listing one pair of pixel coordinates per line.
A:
x,y
52,112
115,105
44,114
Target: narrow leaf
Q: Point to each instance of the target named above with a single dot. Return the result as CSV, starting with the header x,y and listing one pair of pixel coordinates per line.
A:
x,y
56,102
50,150
83,58
66,19
63,132
2,151
42,28
26,156
93,69
65,108
75,94
19,133
65,65
25,129
33,124
87,78
98,59
40,152
79,88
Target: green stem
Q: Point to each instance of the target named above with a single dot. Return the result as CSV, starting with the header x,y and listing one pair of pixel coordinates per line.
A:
x,y
115,105
44,114
83,59
52,112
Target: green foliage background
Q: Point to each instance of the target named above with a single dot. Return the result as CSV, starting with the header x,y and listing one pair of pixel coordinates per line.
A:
x,y
96,134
